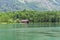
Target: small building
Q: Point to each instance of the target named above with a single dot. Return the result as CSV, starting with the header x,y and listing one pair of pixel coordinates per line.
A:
x,y
25,21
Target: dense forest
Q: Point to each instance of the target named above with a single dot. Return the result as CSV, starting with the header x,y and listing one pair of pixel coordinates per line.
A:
x,y
32,16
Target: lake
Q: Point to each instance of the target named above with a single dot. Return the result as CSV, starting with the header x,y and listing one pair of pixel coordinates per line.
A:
x,y
42,31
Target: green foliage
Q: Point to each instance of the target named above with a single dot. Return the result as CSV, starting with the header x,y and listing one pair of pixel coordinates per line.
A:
x,y
32,16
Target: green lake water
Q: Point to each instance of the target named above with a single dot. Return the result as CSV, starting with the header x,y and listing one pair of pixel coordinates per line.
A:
x,y
30,31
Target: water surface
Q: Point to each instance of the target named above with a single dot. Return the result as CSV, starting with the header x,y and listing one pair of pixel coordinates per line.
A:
x,y
30,32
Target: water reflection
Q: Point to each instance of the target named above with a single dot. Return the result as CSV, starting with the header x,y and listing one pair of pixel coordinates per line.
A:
x,y
44,25
38,31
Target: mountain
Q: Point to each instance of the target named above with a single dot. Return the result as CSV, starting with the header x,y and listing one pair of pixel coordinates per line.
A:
x,y
13,5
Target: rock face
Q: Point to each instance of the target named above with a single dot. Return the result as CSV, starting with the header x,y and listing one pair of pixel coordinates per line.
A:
x,y
13,5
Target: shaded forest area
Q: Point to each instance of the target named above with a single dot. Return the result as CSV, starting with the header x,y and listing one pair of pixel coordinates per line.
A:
x,y
32,16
